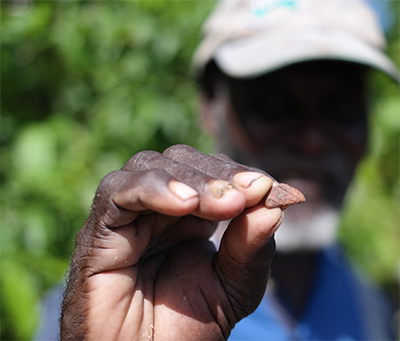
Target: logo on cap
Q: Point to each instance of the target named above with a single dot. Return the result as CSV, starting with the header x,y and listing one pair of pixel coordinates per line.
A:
x,y
265,14
260,8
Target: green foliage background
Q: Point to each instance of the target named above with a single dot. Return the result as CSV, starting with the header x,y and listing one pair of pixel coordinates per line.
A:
x,y
85,85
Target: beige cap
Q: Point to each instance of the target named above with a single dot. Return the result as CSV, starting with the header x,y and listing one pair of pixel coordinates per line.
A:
x,y
247,38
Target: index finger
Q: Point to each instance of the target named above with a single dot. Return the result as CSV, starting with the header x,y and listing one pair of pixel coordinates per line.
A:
x,y
223,167
218,199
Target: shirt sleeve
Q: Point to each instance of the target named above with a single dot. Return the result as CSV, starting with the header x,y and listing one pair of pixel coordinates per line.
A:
x,y
49,328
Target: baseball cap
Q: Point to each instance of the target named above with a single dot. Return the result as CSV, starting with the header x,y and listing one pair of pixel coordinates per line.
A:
x,y
247,38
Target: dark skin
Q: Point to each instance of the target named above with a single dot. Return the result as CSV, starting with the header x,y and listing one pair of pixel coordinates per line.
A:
x,y
308,122
143,268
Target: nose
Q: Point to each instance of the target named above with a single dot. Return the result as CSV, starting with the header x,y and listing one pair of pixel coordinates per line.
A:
x,y
308,138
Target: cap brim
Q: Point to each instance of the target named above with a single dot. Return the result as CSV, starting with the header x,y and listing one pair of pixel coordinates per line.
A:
x,y
264,53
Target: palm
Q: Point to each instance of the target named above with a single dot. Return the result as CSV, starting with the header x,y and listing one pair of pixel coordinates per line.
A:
x,y
141,272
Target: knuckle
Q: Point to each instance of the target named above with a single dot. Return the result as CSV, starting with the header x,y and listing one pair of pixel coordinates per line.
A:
x,y
179,149
140,160
108,181
223,157
156,175
106,188
226,167
121,179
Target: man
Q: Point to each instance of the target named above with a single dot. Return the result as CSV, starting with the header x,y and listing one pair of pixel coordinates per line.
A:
x,y
284,91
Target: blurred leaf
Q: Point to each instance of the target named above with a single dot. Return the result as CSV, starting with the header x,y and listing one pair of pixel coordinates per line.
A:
x,y
19,299
35,154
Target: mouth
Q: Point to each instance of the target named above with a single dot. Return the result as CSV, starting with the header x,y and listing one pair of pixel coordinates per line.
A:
x,y
323,178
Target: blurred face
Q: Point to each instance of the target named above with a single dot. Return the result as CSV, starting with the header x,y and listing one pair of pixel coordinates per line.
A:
x,y
306,125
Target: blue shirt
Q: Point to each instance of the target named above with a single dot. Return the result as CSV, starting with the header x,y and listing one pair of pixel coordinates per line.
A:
x,y
342,306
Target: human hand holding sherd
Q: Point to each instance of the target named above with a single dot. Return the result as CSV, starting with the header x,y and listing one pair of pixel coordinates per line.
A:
x,y
144,268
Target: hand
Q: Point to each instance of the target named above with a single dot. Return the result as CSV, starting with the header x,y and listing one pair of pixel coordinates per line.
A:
x,y
143,267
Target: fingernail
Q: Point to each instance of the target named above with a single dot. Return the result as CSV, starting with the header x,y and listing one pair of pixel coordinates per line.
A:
x,y
219,187
245,179
182,191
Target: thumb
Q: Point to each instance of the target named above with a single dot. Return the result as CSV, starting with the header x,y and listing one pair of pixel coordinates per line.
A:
x,y
245,255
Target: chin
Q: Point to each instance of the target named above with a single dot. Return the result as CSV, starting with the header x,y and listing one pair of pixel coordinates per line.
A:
x,y
306,230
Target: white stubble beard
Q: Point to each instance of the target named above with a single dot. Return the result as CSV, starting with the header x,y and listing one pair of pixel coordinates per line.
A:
x,y
307,227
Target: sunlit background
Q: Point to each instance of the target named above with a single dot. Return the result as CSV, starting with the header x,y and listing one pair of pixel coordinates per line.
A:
x,y
85,85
